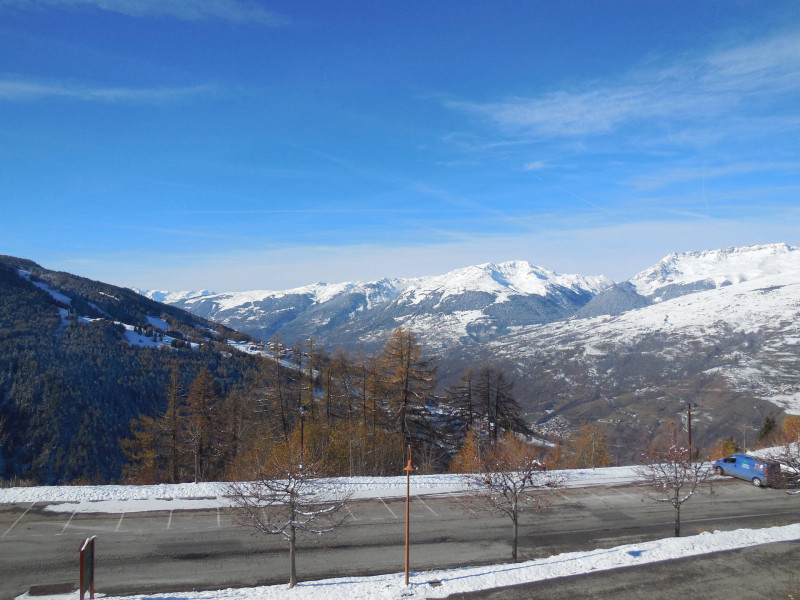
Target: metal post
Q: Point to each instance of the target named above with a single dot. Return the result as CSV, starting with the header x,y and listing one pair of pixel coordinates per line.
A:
x,y
408,470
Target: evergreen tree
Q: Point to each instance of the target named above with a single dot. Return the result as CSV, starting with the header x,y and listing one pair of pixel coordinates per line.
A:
x,y
462,401
500,410
767,428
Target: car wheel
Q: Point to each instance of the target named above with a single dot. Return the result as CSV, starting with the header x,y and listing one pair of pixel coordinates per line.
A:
x,y
756,482
719,471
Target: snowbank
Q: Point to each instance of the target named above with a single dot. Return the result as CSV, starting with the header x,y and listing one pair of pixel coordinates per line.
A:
x,y
184,496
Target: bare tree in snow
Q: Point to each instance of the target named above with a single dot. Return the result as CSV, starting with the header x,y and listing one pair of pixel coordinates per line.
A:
x,y
788,453
513,480
284,495
670,476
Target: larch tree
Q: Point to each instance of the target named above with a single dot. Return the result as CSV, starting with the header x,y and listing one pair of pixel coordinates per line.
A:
x,y
156,446
143,450
201,421
277,390
172,424
587,448
468,457
408,378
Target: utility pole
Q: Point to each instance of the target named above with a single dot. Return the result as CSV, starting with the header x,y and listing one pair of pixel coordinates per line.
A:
x,y
689,426
408,470
303,409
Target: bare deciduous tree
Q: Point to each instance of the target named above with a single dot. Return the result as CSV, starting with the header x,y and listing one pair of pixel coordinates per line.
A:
x,y
283,495
513,479
788,453
670,476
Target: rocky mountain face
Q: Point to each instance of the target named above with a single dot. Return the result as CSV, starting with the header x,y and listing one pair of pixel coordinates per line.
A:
x,y
717,328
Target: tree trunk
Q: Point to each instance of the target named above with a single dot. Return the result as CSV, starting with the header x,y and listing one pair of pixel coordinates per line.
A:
x,y
196,464
677,519
292,569
514,541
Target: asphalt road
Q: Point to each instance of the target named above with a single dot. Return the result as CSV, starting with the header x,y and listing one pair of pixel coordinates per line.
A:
x,y
170,551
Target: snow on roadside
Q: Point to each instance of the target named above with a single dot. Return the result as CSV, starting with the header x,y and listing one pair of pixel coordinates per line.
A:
x,y
442,583
187,496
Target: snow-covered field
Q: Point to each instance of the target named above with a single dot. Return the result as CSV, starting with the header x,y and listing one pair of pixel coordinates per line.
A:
x,y
186,496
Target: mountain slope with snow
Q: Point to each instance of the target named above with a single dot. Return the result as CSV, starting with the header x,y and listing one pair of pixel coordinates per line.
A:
x,y
464,305
718,328
691,271
734,350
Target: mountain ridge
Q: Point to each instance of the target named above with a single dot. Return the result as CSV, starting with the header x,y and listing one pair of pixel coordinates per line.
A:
x,y
474,303
468,298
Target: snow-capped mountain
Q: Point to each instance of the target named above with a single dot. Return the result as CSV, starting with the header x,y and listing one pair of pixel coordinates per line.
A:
x,y
477,303
166,297
473,303
720,328
729,342
678,274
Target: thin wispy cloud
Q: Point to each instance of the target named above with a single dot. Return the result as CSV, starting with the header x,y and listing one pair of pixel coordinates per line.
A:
x,y
234,11
19,89
534,166
692,173
749,77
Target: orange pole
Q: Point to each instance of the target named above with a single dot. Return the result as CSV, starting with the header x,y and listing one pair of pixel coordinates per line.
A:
x,y
408,470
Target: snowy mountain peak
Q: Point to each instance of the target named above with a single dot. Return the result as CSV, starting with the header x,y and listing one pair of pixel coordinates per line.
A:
x,y
718,268
167,297
516,277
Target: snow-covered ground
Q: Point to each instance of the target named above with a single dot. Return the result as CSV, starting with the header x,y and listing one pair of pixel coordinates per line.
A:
x,y
186,496
428,584
440,584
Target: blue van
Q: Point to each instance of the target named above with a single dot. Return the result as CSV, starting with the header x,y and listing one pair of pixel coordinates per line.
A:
x,y
756,470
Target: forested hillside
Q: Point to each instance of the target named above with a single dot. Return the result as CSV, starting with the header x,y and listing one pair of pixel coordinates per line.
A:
x,y
354,413
72,375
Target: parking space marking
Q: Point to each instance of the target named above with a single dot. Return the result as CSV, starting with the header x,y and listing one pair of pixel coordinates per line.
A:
x,y
620,492
351,512
19,518
564,497
603,500
122,516
387,507
169,522
727,490
425,505
67,523
459,499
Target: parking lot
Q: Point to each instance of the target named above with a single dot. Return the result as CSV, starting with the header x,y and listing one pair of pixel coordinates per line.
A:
x,y
175,549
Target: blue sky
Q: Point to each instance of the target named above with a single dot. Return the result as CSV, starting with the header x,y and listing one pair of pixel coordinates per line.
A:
x,y
234,144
